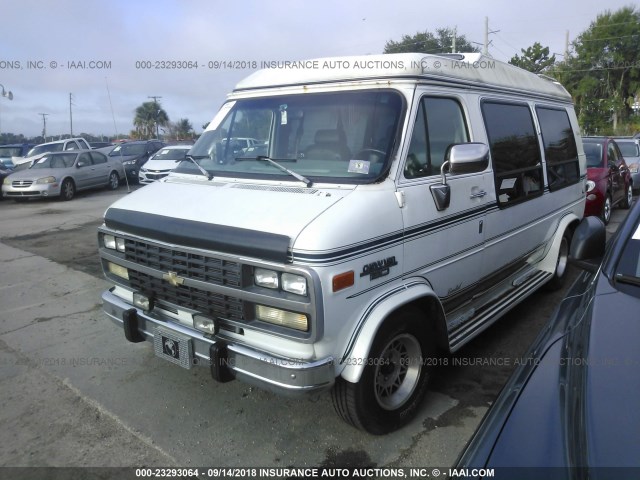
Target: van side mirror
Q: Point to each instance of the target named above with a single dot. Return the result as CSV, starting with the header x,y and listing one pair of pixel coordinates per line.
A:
x,y
461,158
588,244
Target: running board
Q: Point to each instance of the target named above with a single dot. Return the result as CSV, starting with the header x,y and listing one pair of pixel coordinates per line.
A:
x,y
461,333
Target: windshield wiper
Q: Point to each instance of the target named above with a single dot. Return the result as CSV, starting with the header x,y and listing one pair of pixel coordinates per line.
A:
x,y
264,158
628,279
202,170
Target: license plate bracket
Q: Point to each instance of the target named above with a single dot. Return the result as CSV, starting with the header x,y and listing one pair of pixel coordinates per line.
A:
x,y
173,347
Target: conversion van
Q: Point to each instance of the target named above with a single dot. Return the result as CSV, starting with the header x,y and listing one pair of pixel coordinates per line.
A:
x,y
402,204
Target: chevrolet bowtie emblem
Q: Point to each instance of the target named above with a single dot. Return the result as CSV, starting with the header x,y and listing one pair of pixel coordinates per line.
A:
x,y
173,278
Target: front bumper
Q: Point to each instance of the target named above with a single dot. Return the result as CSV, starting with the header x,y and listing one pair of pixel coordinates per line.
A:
x,y
291,377
150,176
34,190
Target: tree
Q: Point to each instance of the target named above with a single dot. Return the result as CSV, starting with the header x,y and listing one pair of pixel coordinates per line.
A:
x,y
148,117
536,58
184,129
604,73
427,42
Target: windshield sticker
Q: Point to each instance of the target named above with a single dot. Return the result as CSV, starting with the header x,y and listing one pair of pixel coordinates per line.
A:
x,y
215,123
359,166
636,236
283,114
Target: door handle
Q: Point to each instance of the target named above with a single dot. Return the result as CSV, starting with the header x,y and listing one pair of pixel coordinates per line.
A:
x,y
479,194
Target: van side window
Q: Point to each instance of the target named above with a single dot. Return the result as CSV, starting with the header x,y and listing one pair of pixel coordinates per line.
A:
x,y
515,152
560,150
439,124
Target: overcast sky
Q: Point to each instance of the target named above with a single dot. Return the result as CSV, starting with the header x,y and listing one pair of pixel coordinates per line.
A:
x,y
120,33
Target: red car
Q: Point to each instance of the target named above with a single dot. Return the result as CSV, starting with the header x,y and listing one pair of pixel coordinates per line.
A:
x,y
609,182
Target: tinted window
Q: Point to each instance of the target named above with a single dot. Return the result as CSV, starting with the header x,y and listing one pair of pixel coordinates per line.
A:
x,y
439,124
514,151
71,146
628,149
560,149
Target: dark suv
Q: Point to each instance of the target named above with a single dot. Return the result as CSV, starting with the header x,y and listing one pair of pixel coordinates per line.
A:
x,y
135,154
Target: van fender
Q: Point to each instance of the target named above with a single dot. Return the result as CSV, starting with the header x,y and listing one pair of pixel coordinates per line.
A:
x,y
354,358
548,263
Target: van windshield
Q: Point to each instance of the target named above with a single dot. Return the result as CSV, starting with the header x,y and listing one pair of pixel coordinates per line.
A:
x,y
327,137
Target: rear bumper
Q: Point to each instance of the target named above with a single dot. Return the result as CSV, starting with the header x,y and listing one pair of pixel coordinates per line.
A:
x,y
293,377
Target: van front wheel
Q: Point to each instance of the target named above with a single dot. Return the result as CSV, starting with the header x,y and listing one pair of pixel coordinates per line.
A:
x,y
394,380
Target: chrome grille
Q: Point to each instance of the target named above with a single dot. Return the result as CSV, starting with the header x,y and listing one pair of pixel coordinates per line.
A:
x,y
22,183
187,265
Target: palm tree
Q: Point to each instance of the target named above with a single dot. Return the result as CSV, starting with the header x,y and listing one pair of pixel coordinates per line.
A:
x,y
184,129
148,117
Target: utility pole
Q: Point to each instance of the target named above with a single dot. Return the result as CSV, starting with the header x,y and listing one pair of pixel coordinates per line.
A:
x,y
44,125
155,99
70,113
455,34
566,46
485,50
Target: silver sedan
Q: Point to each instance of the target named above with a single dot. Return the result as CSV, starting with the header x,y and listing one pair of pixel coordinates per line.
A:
x,y
62,174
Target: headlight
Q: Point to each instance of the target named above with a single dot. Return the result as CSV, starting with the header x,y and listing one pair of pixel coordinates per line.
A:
x,y
46,180
294,283
143,170
114,243
118,270
6,181
266,278
633,168
590,185
129,162
283,318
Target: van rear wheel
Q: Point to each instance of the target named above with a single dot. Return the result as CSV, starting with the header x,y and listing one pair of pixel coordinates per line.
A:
x,y
562,263
394,380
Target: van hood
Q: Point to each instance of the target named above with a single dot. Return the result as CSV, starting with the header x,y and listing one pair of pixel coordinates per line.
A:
x,y
260,221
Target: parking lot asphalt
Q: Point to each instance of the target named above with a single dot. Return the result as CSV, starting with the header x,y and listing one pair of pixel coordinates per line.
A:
x,y
76,393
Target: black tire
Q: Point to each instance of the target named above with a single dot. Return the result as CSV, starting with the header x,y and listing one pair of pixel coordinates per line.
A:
x,y
395,378
114,181
606,209
562,264
67,190
628,198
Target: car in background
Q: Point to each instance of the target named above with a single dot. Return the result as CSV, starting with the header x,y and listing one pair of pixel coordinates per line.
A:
x,y
134,154
162,162
630,149
609,182
13,152
5,171
58,146
96,145
62,174
573,399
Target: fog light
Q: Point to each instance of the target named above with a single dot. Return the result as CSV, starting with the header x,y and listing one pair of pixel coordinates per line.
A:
x,y
284,318
118,270
294,283
204,324
591,197
141,301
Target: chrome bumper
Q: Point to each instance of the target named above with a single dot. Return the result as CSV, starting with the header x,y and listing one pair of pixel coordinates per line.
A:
x,y
277,374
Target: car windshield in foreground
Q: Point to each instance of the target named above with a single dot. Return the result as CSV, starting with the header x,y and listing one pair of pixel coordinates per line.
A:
x,y
127,150
8,152
55,161
171,154
52,147
324,137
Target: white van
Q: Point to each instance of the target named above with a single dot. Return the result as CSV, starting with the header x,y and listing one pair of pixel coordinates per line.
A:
x,y
404,203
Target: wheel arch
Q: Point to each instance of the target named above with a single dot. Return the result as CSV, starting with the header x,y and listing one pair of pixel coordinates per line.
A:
x,y
570,221
416,294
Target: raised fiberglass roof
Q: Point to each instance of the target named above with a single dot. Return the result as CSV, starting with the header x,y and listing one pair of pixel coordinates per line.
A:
x,y
466,68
